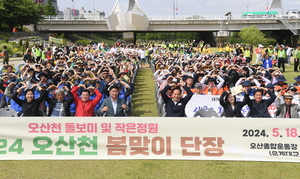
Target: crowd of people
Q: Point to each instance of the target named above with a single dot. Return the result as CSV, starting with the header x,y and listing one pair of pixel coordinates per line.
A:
x,y
98,79
195,70
93,80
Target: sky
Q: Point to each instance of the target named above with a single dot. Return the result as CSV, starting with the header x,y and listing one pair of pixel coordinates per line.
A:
x,y
185,7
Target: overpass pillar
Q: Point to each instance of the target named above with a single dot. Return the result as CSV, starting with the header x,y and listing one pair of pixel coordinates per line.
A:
x,y
129,37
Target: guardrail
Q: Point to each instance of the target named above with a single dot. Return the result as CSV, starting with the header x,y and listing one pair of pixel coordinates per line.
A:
x,y
180,17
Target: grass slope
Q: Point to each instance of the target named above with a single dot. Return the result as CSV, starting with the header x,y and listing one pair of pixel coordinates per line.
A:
x,y
144,101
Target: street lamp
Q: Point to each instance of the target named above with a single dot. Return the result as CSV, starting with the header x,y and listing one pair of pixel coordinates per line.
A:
x,y
228,15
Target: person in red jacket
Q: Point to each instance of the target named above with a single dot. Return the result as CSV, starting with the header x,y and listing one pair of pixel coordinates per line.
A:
x,y
85,106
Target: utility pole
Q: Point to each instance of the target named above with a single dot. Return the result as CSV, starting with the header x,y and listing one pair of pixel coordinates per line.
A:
x,y
174,9
247,5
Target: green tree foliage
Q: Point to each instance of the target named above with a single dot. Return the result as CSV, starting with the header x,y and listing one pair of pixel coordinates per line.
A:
x,y
19,12
26,44
20,43
170,36
83,42
49,9
252,35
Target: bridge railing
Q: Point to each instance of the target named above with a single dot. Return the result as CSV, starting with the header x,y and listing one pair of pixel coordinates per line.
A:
x,y
73,18
222,17
179,17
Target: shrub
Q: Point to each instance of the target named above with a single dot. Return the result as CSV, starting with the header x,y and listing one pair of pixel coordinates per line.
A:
x,y
15,50
83,42
20,43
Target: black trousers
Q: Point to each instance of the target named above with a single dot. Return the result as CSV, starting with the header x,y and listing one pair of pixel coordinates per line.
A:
x,y
248,59
281,62
296,64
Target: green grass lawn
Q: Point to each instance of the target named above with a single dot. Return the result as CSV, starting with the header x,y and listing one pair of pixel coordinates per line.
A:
x,y
144,101
143,169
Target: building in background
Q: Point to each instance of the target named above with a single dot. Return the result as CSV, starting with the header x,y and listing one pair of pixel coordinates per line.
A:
x,y
91,15
71,13
44,2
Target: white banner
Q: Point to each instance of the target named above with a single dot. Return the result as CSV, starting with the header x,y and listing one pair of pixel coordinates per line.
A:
x,y
208,101
245,139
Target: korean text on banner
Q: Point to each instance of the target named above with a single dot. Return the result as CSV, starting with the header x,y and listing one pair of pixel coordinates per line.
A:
x,y
56,40
244,139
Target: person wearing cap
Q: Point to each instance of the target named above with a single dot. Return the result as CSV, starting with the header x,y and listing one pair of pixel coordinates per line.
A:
x,y
297,84
175,105
161,71
270,87
210,88
287,109
281,86
281,54
85,106
113,105
270,52
198,89
258,106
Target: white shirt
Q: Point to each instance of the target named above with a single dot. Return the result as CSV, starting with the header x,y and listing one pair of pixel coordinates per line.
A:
x,y
289,51
175,102
142,53
114,104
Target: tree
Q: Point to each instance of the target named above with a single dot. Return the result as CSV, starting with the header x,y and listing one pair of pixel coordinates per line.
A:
x,y
252,35
19,12
49,9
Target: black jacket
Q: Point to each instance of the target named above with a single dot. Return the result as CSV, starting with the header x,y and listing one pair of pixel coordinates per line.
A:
x,y
177,110
66,103
30,108
228,111
260,109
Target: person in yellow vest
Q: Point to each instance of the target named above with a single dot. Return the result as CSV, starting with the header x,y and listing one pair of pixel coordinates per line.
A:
x,y
227,50
200,46
281,55
220,48
248,55
38,53
271,52
296,56
207,49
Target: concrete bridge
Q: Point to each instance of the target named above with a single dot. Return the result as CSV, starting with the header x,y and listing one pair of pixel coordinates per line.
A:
x,y
134,20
